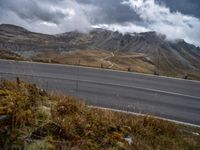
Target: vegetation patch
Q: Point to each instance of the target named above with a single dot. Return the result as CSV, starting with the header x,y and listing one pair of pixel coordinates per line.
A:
x,y
5,54
32,119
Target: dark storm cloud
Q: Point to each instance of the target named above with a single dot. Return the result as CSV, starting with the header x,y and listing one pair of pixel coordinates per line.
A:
x,y
47,16
111,11
190,7
32,10
175,18
107,12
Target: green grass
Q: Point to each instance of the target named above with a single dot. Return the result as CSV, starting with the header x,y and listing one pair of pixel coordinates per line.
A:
x,y
49,121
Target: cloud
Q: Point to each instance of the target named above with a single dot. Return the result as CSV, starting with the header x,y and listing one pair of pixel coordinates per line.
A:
x,y
110,12
125,28
190,7
57,16
46,16
174,25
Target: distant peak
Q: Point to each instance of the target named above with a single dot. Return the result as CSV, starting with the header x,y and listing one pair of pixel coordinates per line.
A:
x,y
11,27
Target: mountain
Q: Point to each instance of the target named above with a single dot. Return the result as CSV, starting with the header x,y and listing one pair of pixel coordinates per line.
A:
x,y
19,40
167,56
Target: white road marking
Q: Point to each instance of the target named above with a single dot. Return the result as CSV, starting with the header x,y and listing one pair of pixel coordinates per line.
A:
x,y
143,115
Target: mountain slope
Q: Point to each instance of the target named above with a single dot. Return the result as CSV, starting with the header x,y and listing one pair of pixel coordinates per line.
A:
x,y
169,57
18,40
172,55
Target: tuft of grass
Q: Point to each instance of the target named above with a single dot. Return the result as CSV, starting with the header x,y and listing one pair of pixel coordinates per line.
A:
x,y
48,121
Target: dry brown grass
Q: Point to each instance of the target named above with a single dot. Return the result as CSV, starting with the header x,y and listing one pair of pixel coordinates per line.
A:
x,y
9,55
94,58
43,121
124,61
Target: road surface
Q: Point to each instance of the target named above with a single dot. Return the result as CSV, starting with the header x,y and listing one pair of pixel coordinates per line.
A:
x,y
164,97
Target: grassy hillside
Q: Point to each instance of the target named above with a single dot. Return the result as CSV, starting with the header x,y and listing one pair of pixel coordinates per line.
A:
x,y
132,61
105,59
32,119
126,61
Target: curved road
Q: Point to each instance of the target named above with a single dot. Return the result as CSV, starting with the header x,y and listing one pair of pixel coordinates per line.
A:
x,y
170,98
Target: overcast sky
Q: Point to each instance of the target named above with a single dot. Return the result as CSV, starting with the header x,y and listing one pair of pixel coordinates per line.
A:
x,y
178,19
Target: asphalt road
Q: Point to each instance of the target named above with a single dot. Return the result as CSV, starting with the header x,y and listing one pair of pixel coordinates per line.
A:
x,y
164,97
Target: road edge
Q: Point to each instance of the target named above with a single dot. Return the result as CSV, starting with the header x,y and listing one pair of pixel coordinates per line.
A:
x,y
140,114
110,70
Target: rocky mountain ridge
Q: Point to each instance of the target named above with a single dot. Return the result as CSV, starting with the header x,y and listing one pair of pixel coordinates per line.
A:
x,y
171,55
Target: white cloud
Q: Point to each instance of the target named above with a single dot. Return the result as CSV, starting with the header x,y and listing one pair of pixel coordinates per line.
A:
x,y
57,16
46,16
159,18
126,28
